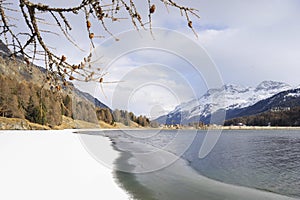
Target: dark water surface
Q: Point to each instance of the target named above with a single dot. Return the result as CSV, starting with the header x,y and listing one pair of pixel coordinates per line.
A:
x,y
266,161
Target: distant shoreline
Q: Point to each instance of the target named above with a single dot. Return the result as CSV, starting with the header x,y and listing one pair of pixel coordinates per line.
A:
x,y
234,128
68,123
260,127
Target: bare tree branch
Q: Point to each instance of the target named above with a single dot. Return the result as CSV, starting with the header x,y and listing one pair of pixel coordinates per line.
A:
x,y
31,43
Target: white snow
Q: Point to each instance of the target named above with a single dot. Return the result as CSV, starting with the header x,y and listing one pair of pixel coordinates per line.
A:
x,y
51,165
229,97
294,95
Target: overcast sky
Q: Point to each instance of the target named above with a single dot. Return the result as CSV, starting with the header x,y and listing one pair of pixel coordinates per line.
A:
x,y
249,41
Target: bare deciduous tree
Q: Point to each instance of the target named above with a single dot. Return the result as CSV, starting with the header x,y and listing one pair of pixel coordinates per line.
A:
x,y
29,41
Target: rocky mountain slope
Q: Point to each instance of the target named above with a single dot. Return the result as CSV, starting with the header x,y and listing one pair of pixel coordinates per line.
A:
x,y
229,97
283,103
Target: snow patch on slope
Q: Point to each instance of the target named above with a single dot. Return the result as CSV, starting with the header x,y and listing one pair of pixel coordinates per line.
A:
x,y
228,97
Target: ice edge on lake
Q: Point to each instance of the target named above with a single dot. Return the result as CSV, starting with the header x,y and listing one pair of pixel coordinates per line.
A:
x,y
162,182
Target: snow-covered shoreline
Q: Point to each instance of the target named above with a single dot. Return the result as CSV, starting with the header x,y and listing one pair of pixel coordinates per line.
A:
x,y
53,165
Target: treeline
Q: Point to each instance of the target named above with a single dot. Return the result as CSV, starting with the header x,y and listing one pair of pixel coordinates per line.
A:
x,y
27,100
121,116
105,115
24,95
197,125
282,118
125,117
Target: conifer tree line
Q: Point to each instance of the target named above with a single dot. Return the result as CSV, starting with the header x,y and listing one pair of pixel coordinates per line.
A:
x,y
26,100
269,118
122,116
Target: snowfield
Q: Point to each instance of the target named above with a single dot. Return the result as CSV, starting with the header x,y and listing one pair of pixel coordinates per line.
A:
x,y
228,97
45,165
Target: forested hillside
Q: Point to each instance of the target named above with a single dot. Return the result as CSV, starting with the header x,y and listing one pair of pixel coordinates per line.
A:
x,y
25,93
26,100
271,118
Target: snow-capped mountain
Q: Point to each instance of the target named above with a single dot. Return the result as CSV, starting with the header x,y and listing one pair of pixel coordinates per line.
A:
x,y
228,97
283,101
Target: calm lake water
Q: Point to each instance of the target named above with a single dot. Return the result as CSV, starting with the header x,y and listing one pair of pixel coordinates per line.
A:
x,y
268,162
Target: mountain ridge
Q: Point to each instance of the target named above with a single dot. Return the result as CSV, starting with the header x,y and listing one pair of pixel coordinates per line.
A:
x,y
282,109
278,102
228,97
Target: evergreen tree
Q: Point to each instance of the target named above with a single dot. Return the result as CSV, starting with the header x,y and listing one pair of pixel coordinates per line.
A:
x,y
109,118
126,118
34,113
117,115
67,107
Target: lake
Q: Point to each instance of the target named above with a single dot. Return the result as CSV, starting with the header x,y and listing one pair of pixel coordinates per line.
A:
x,y
244,164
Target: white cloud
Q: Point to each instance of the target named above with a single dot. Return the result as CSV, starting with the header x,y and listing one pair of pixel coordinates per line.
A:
x,y
256,41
